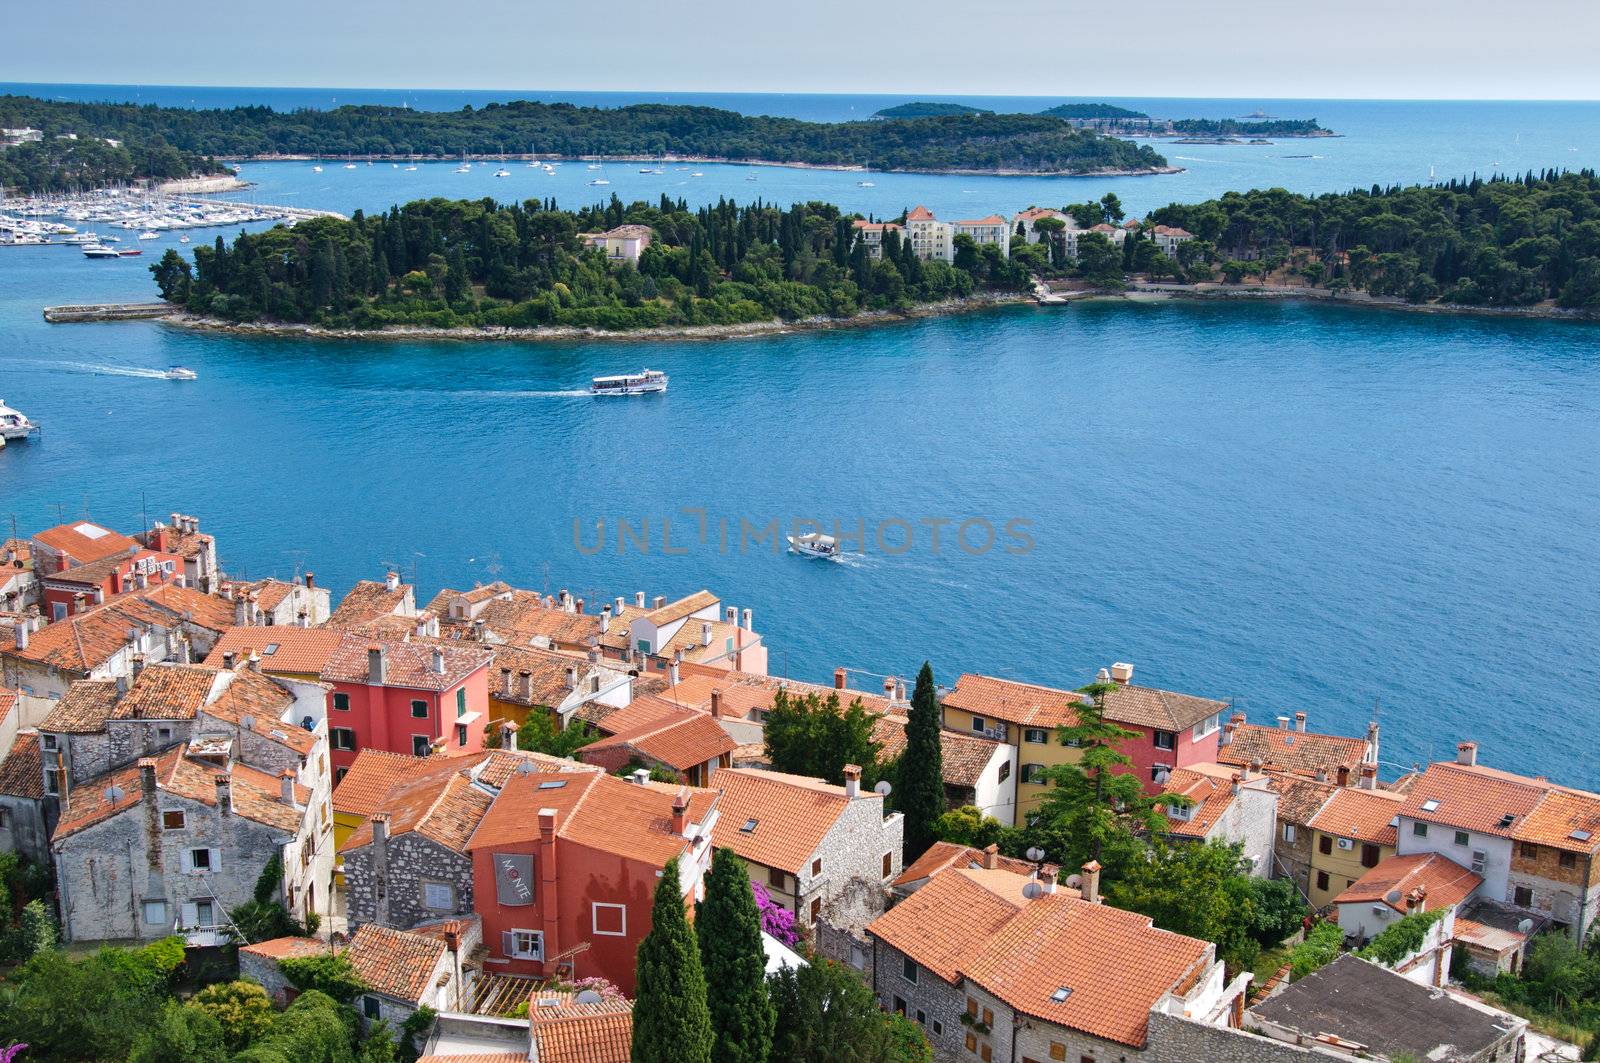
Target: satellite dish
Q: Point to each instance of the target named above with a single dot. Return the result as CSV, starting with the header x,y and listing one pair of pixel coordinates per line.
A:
x,y
1035,854
588,996
883,788
1393,896
1524,925
1032,890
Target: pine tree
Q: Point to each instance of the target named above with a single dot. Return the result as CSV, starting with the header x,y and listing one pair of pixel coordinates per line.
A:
x,y
671,1023
729,930
921,795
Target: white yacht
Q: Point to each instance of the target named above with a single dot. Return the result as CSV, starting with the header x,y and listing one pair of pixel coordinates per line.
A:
x,y
316,169
14,424
814,544
646,382
148,235
599,181
866,184
100,251
180,372
502,172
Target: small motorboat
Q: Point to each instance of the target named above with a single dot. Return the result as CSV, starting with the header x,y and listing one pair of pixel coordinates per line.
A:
x,y
599,181
130,252
180,372
866,184
14,424
149,235
316,169
502,172
814,544
645,382
100,251
183,239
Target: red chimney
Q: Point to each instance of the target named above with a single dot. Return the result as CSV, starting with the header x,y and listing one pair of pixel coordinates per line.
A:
x,y
1344,775
991,857
680,811
549,900
839,678
716,704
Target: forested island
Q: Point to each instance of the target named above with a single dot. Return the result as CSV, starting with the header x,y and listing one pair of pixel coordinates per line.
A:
x,y
1092,110
459,264
1112,120
923,109
166,137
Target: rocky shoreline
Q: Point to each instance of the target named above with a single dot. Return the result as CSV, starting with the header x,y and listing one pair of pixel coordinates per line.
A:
x,y
1147,292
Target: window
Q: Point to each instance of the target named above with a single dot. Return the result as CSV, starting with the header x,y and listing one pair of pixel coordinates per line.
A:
x,y
1164,739
644,646
972,1042
1529,851
908,969
609,920
1207,726
972,1007
419,710
439,896
776,878
342,738
1058,1050
1037,735
370,1007
1463,838
1522,897
922,1017
1479,859
1322,880
988,1018
461,701
1288,833
1033,773
49,741
524,944
1419,829
1325,844
198,860
1005,771
1369,855
1569,861
339,774
888,864
461,734
341,702
172,819
938,1028
978,724
421,745
985,1052
58,610
900,1005
155,912
816,867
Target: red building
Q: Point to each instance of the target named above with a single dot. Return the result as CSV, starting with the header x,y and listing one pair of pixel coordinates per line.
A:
x,y
406,697
564,870
84,586
1174,730
68,545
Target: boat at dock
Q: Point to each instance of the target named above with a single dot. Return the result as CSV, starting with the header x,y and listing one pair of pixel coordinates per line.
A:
x,y
14,424
814,544
645,382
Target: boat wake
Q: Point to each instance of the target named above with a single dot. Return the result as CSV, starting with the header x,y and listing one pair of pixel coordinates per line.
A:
x,y
107,370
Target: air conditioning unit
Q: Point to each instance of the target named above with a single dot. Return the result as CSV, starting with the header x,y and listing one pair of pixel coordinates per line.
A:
x,y
1346,843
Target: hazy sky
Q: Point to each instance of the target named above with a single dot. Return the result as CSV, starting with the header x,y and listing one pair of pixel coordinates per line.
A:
x,y
1476,49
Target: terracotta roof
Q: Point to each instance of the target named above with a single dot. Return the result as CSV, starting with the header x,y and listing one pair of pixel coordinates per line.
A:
x,y
500,764
1161,709
1446,881
601,1037
993,219
1364,815
22,771
1299,798
86,641
84,708
210,611
640,712
679,741
792,815
1033,213
1298,751
297,650
944,924
368,600
8,701
85,541
1473,798
919,214
524,616
1172,230
376,773
941,855
395,963
444,809
166,692
406,664
481,593
1565,819
1211,796
287,947
964,756
254,696
94,573
547,674
1024,704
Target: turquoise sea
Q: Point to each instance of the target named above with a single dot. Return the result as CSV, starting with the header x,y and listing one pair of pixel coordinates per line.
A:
x,y
1293,506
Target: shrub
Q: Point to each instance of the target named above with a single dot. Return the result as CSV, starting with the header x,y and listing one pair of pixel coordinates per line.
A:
x,y
1320,948
1400,939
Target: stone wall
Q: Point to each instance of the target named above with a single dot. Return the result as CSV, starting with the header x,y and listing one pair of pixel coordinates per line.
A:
x,y
264,969
853,885
24,830
412,860
88,756
940,1003
1175,1039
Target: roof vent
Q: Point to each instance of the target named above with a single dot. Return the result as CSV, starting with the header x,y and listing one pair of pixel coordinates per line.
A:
x,y
553,784
1060,995
749,825
1430,806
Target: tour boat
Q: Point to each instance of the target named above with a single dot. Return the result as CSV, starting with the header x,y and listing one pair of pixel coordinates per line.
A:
x,y
99,251
814,544
14,424
646,382
180,372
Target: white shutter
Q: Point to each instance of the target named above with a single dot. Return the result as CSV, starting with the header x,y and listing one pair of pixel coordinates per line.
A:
x,y
191,915
508,943
538,945
216,860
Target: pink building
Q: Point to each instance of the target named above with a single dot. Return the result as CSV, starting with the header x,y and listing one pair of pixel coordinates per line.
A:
x,y
406,697
1174,730
625,243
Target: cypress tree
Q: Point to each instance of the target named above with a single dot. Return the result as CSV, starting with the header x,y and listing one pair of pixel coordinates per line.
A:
x,y
670,1021
729,929
921,795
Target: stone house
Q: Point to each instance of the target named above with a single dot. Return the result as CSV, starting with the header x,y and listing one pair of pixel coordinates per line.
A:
x,y
525,679
1299,800
1296,751
22,823
372,600
1225,805
994,965
827,853
279,603
259,963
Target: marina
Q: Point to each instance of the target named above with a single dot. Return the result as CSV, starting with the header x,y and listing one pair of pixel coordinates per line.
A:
x,y
59,218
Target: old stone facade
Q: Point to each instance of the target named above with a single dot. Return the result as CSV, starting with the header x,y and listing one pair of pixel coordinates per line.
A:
x,y
927,1000
1569,894
395,883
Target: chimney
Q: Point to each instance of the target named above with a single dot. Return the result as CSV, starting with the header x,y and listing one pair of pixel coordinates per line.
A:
x,y
224,793
508,734
505,682
1417,900
311,580
716,704
1283,723
1233,786
840,678
254,663
605,619
1238,716
1255,767
1089,885
578,606
380,865
241,612
286,788
1344,775
1372,742
1122,673
438,661
1300,722
991,857
640,776
376,666
888,688
478,628
677,659
147,775
142,578
247,722
705,632
680,811
185,651
1227,734
572,677
138,664
229,659
1322,774
1467,753
116,581
852,781
733,616
638,599
747,619
21,633
616,607
525,679
1369,776
391,581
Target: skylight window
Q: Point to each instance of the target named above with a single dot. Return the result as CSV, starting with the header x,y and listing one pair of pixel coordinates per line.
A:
x,y
1580,835
553,784
91,531
1430,806
749,826
1060,995
1508,819
272,647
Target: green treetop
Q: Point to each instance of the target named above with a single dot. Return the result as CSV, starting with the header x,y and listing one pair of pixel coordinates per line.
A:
x,y
729,931
671,1022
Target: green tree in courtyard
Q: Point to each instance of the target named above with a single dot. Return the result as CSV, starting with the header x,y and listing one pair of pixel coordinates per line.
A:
x,y
671,1022
920,795
812,735
728,927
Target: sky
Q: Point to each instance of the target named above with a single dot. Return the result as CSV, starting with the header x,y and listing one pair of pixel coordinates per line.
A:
x,y
1353,49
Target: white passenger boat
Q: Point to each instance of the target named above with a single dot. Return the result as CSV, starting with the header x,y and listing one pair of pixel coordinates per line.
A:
x,y
147,235
814,544
14,424
180,372
646,382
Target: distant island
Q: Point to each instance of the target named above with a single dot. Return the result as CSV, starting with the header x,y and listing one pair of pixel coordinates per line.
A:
x,y
922,109
85,144
1092,110
1111,120
473,267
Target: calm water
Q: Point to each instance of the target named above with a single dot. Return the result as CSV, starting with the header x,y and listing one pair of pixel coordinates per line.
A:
x,y
1296,507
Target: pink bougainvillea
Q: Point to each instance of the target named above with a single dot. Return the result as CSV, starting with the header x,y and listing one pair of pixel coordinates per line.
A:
x,y
776,921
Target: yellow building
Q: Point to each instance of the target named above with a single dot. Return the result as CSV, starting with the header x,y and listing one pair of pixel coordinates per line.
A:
x,y
1019,715
1352,833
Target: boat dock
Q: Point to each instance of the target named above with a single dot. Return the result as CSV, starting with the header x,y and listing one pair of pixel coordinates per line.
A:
x,y
107,312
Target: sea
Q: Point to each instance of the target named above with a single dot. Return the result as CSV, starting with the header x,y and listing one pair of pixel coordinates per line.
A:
x,y
1293,507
